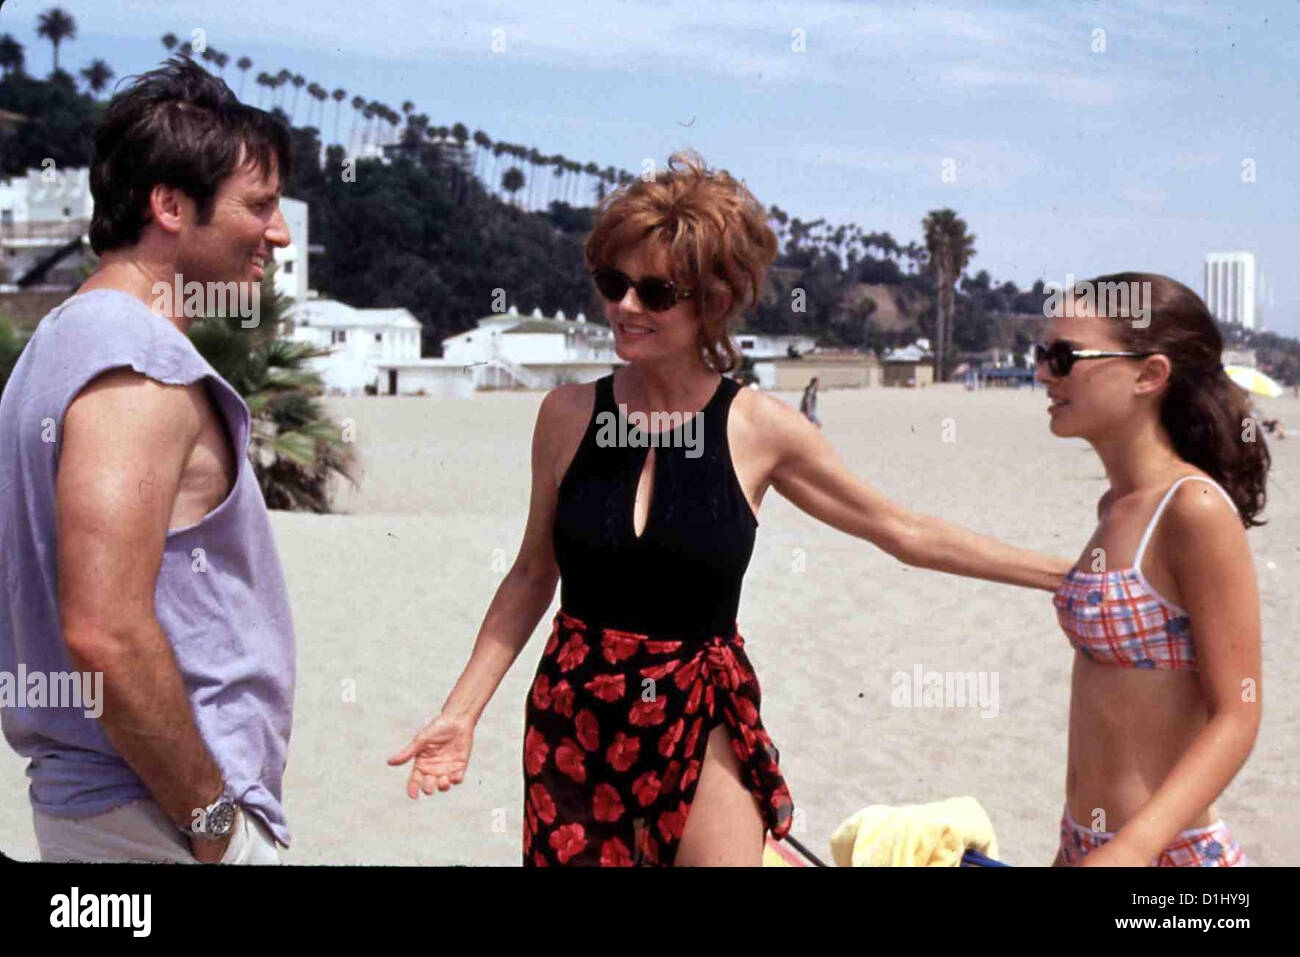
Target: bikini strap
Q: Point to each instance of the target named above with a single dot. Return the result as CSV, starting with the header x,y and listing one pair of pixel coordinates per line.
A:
x,y
1151,525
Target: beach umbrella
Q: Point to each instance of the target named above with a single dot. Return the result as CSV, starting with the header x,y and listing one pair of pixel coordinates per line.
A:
x,y
1252,380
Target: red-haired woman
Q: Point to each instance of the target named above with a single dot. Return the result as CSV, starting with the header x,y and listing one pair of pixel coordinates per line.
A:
x,y
1164,612
643,740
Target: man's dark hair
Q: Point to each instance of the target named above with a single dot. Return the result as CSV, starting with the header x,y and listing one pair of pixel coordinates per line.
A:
x,y
180,126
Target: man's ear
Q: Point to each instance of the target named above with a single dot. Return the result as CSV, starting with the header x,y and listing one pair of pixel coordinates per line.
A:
x,y
1154,374
169,207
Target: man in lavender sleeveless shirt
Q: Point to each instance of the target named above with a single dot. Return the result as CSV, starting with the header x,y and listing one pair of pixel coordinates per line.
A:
x,y
136,541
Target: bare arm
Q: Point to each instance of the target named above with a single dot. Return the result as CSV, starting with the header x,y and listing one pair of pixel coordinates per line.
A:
x,y
1210,558
527,590
125,441
808,471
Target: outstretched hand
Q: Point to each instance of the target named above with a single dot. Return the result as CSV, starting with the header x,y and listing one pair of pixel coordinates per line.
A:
x,y
441,753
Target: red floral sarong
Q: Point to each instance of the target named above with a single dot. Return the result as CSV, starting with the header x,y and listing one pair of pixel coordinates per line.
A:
x,y
616,727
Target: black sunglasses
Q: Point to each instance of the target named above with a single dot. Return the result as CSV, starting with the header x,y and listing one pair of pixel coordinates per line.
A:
x,y
657,295
1061,356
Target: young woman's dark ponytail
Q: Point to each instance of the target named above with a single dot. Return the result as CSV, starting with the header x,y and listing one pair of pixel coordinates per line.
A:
x,y
1207,416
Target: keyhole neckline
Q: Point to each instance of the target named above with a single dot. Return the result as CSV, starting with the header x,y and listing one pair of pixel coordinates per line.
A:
x,y
685,418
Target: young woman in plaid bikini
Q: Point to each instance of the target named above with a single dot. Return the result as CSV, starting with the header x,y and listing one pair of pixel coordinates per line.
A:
x,y
1165,695
643,743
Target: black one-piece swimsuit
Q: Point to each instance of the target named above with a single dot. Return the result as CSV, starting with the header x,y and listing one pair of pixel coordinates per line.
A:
x,y
645,657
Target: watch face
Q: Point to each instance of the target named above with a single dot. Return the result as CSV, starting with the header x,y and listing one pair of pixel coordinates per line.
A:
x,y
221,819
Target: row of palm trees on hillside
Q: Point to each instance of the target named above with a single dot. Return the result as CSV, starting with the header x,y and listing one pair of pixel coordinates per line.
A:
x,y
948,246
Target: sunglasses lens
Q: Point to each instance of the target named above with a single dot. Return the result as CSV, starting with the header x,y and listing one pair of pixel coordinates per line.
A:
x,y
612,285
656,295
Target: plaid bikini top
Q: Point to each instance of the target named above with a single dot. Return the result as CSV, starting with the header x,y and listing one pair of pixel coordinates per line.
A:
x,y
1117,618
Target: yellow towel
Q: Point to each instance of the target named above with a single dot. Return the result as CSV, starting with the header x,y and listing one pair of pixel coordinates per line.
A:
x,y
915,835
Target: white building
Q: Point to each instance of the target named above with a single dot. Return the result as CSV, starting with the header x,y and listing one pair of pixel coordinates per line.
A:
x,y
45,215
291,274
758,346
360,341
507,350
1230,287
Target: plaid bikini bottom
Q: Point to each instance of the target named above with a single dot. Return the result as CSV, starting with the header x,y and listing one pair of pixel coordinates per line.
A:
x,y
1209,846
616,728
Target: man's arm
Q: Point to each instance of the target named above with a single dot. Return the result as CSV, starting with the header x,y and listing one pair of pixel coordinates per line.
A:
x,y
126,439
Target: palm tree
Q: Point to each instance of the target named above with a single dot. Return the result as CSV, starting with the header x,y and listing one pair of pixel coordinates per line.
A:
x,y
951,248
265,81
295,450
11,55
243,63
297,80
512,181
56,26
339,96
358,104
221,59
169,41
97,75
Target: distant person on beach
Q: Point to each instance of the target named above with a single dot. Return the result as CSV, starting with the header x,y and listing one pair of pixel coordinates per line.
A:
x,y
137,542
644,742
808,404
1163,610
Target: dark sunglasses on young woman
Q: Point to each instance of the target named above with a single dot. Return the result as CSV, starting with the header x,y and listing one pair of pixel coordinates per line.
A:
x,y
657,295
1061,356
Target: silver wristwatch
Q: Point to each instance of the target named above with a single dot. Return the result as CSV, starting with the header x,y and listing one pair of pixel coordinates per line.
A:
x,y
214,822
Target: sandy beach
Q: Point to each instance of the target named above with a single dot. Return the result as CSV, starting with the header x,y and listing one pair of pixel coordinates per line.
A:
x,y
389,594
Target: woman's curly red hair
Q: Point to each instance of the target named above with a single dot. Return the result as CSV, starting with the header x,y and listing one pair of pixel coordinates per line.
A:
x,y
715,234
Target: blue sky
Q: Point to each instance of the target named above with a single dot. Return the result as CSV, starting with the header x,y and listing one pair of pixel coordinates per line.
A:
x,y
1068,160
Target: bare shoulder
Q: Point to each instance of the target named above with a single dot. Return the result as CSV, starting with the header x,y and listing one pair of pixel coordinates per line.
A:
x,y
758,411
1199,516
562,422
122,401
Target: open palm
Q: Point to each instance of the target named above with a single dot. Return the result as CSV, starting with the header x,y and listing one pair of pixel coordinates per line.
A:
x,y
441,753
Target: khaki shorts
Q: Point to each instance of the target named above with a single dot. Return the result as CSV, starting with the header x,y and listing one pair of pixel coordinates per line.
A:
x,y
140,831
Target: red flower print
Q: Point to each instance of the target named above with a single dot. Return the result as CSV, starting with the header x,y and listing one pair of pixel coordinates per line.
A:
x,y
690,774
542,692
670,776
668,740
553,641
693,699
662,647
693,738
660,672
539,860
688,672
568,841
588,729
535,751
646,788
622,754
614,853
748,713
562,699
607,687
646,713
618,645
606,804
570,759
672,823
573,653
542,803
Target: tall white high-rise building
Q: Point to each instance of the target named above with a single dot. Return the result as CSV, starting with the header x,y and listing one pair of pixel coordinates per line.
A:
x,y
1230,287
